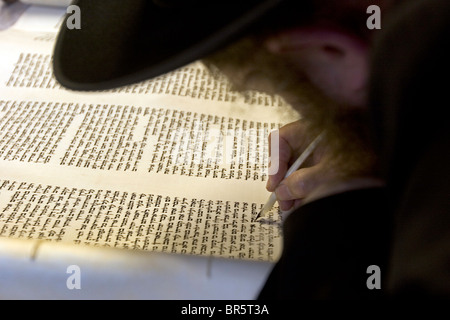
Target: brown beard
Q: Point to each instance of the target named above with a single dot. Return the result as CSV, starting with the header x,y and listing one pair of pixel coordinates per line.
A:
x,y
348,137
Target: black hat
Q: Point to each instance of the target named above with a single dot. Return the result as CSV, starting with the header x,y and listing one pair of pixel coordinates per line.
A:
x,y
126,41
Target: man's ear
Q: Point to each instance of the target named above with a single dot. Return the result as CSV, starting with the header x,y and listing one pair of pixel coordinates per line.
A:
x,y
334,61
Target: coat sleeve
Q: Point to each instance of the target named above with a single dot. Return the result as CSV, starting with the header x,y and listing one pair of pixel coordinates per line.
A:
x,y
329,245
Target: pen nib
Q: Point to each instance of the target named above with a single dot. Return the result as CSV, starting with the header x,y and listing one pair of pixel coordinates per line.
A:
x,y
257,216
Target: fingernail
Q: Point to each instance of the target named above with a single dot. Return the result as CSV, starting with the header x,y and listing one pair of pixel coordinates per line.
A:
x,y
283,192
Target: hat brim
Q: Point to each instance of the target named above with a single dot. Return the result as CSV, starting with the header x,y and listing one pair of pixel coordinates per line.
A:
x,y
124,42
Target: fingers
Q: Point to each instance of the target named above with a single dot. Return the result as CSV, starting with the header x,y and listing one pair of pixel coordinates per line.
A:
x,y
297,186
286,205
290,140
289,204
